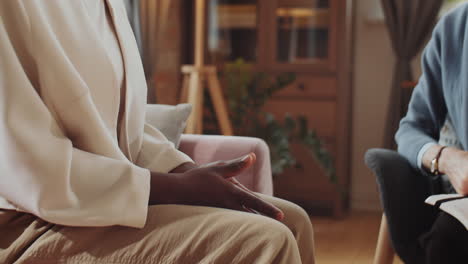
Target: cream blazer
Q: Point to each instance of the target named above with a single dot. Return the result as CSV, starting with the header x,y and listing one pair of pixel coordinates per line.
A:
x,y
60,157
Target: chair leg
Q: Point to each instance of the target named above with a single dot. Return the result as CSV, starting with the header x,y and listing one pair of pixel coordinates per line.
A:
x,y
384,253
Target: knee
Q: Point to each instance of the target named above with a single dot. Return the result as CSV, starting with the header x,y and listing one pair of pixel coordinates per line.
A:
x,y
270,232
446,240
296,219
439,248
270,241
282,234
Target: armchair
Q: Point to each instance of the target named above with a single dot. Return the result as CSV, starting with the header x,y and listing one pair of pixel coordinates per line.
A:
x,y
171,120
205,149
394,174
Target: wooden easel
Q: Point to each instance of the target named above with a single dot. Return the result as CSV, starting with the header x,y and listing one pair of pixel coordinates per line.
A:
x,y
195,78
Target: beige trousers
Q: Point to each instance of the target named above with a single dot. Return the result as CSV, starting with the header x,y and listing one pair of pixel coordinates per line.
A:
x,y
173,234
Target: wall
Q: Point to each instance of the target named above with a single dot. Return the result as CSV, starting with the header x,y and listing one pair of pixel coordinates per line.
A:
x,y
373,66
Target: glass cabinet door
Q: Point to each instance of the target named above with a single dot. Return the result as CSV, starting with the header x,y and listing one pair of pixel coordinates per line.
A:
x,y
303,29
232,30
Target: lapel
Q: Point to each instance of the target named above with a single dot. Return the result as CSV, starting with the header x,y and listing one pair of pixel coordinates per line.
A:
x,y
133,120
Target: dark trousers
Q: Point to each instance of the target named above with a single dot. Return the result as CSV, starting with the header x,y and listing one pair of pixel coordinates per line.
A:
x,y
420,233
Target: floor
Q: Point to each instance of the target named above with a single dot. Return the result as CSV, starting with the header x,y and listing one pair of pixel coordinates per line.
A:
x,y
351,240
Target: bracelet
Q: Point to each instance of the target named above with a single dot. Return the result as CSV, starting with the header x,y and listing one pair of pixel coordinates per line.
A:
x,y
435,162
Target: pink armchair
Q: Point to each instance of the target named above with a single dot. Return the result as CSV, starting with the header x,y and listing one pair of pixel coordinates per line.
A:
x,y
205,149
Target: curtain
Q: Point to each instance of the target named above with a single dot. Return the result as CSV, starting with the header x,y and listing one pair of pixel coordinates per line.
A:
x,y
409,23
133,12
161,27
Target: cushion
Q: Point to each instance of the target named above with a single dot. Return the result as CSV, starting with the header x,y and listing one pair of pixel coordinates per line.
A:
x,y
169,119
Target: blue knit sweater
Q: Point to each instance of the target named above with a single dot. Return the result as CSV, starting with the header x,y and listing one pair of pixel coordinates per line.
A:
x,y
442,91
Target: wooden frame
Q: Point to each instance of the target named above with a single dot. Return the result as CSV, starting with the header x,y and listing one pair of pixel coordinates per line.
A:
x,y
344,100
327,66
195,78
384,253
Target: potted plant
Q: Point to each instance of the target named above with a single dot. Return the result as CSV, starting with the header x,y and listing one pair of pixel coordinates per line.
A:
x,y
247,92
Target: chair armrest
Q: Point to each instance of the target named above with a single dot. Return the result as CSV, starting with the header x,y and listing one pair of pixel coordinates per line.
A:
x,y
205,149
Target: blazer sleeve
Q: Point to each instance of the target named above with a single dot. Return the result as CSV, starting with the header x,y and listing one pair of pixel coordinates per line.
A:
x,y
157,153
427,108
41,172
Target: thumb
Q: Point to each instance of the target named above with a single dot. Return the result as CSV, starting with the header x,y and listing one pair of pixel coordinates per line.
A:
x,y
234,167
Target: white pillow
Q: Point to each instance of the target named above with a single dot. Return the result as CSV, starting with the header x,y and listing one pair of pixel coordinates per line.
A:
x,y
169,119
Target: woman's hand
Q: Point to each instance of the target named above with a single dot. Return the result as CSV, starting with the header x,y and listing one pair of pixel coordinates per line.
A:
x,y
454,163
184,167
211,185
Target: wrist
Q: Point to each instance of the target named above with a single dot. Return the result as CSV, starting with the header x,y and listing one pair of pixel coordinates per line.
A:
x,y
164,188
448,155
429,156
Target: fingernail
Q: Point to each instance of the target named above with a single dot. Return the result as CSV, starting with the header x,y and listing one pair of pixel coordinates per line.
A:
x,y
245,158
280,216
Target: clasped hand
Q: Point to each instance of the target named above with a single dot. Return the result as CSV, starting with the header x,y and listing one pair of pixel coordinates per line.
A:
x,y
211,185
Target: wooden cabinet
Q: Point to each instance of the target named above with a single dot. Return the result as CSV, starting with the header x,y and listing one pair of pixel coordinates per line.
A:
x,y
311,38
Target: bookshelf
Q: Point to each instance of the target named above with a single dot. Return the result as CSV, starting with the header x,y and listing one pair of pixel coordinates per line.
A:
x,y
311,38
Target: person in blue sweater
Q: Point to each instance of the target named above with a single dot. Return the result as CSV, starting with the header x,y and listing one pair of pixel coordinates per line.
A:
x,y
421,233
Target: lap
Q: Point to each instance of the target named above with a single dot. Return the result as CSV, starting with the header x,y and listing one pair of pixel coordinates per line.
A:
x,y
172,234
447,241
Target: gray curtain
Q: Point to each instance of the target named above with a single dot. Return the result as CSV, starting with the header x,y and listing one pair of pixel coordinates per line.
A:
x,y
157,25
409,23
133,12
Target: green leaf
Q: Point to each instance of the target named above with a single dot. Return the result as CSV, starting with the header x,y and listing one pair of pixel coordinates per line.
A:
x,y
247,92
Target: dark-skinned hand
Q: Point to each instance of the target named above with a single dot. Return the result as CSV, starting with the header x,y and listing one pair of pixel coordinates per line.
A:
x,y
211,185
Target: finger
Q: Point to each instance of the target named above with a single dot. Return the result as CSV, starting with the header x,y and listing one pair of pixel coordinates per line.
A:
x,y
238,207
212,164
236,182
240,185
254,157
219,163
232,168
253,202
250,210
